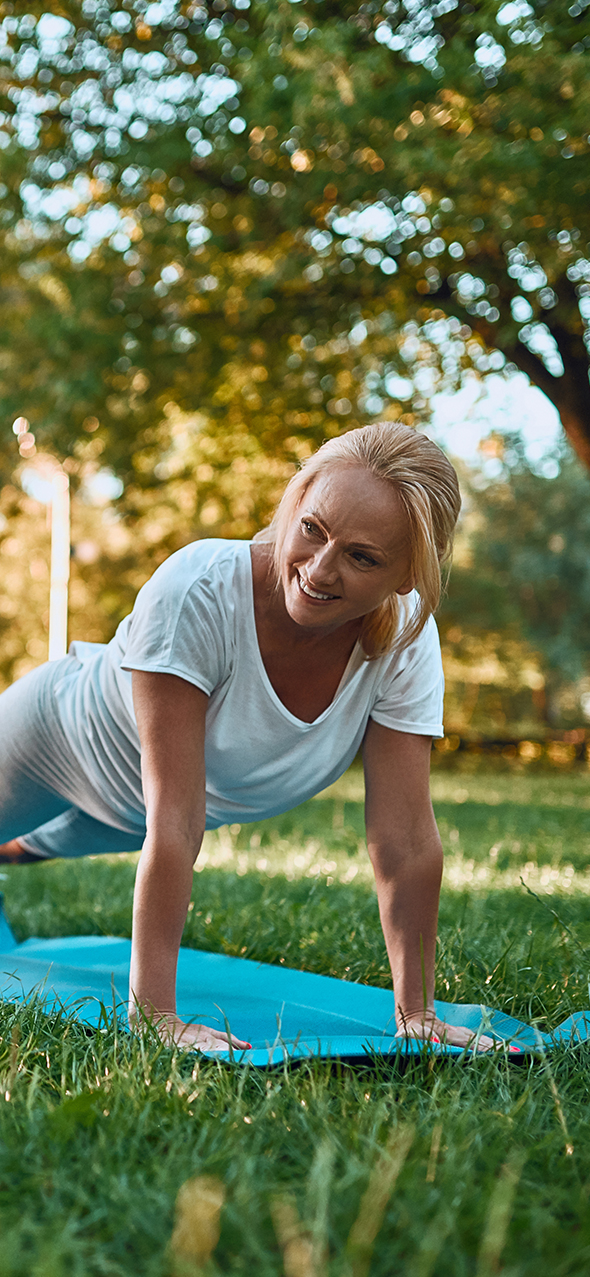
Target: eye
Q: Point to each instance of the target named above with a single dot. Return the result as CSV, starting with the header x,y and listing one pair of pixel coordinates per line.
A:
x,y
364,559
308,526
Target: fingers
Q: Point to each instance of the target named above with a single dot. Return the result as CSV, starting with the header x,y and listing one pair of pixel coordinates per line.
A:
x,y
222,1042
200,1037
464,1037
443,1034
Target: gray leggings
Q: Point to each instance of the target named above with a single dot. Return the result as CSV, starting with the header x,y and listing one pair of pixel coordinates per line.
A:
x,y
39,816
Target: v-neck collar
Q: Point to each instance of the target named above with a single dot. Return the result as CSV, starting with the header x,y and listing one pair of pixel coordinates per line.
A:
x,y
353,664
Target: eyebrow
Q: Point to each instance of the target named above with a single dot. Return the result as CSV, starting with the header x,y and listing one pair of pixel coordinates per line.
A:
x,y
354,545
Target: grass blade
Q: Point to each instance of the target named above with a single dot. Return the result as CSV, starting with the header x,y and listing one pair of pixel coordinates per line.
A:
x,y
197,1226
296,1244
432,1243
382,1181
499,1215
434,1152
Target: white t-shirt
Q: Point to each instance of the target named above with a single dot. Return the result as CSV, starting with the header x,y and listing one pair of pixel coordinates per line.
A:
x,y
195,618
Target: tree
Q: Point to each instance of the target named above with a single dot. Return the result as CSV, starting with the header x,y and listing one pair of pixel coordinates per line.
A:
x,y
205,484
274,213
522,585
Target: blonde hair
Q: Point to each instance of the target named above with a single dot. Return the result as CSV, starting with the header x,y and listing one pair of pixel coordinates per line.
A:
x,y
427,486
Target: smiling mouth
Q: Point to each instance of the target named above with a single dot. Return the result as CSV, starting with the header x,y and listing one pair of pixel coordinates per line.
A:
x,y
314,594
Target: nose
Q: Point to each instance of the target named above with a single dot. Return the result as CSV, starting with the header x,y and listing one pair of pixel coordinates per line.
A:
x,y
322,569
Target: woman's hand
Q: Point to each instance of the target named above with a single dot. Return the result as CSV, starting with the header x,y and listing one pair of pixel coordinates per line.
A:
x,y
196,1037
427,1027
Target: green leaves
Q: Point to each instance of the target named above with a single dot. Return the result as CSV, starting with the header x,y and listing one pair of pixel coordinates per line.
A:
x,y
174,190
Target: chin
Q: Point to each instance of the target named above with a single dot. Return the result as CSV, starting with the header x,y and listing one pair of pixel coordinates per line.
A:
x,y
301,614
298,609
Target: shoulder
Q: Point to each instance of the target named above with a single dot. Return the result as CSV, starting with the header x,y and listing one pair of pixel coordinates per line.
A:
x,y
409,693
184,619
211,558
427,644
422,650
206,579
212,569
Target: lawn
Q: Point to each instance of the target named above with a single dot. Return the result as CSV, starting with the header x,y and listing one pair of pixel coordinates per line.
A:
x,y
317,1171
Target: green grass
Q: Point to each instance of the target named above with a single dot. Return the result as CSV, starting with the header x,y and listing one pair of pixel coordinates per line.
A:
x,y
99,1132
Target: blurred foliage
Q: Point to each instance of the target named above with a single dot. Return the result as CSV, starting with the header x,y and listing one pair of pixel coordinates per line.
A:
x,y
516,621
230,231
24,584
272,214
113,555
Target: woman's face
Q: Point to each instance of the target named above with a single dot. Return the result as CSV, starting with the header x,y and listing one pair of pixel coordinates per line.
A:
x,y
347,549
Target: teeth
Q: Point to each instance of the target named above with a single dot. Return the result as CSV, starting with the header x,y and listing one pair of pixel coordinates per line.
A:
x,y
313,594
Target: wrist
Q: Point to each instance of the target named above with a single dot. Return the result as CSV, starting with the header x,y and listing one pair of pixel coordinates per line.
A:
x,y
142,1009
424,1015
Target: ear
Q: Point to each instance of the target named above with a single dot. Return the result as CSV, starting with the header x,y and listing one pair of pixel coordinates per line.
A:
x,y
407,587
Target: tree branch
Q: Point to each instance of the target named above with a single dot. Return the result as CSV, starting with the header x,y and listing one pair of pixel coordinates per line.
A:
x,y
570,393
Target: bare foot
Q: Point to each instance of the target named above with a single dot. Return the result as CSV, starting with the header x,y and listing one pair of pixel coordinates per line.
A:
x,y
13,853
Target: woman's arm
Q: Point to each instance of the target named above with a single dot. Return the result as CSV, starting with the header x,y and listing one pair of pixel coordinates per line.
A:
x,y
406,853
170,715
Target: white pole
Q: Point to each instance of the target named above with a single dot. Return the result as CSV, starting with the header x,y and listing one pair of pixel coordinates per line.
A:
x,y
60,566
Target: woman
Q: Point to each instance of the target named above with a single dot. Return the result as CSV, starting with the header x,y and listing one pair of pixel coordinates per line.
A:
x,y
245,680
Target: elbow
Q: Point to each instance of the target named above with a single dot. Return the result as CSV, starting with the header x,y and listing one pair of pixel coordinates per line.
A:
x,y
173,843
392,860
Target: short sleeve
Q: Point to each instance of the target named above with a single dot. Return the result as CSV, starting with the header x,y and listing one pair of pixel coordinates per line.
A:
x,y
178,625
410,695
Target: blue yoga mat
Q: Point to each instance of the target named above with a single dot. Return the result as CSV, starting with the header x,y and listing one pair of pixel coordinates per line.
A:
x,y
285,1014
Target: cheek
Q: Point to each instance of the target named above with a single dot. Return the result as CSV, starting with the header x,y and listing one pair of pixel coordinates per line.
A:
x,y
373,588
291,554
295,549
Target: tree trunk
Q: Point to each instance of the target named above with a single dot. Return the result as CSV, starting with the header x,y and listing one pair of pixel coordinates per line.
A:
x,y
569,393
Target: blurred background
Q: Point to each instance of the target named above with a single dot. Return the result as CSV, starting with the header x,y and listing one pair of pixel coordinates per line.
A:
x,y
231,230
